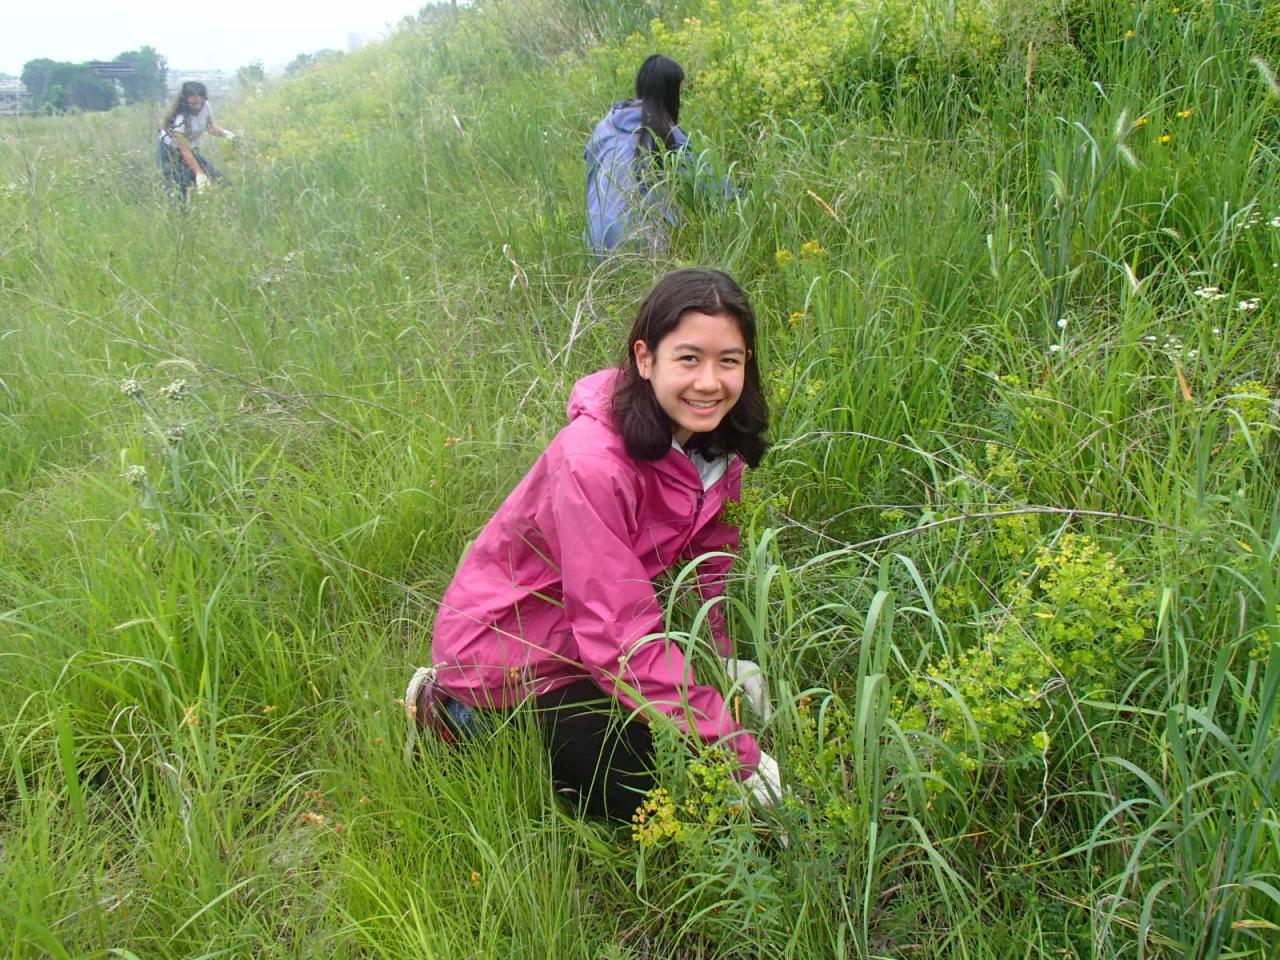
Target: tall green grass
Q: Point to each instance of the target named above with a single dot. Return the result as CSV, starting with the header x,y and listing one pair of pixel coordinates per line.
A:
x,y
986,336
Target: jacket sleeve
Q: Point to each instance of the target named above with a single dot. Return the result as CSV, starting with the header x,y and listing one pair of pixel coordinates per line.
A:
x,y
613,609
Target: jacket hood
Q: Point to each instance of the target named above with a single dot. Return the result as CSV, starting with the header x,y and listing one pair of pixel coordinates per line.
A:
x,y
625,116
592,396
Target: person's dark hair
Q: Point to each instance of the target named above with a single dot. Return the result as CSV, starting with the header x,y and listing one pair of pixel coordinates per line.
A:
x,y
658,89
180,101
637,415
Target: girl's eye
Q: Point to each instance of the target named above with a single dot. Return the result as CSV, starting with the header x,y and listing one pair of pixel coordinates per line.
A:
x,y
687,358
730,362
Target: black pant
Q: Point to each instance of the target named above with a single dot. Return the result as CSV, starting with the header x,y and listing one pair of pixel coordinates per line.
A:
x,y
605,759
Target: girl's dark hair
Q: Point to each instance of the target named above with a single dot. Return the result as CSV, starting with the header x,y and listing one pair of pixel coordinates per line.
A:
x,y
637,415
180,101
658,90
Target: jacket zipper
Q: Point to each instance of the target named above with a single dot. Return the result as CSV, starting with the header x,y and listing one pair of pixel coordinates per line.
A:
x,y
697,510
693,527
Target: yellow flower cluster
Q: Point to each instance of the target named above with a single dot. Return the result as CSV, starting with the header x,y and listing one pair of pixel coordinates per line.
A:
x,y
791,58
1085,613
710,797
809,250
1250,404
655,820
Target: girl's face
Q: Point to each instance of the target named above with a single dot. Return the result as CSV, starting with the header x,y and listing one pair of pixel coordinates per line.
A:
x,y
195,102
697,371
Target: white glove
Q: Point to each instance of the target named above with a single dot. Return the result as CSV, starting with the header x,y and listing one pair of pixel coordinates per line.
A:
x,y
747,676
765,783
227,134
201,182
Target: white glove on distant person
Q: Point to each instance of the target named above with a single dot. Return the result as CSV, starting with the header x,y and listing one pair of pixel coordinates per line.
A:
x,y
748,677
227,134
765,783
201,182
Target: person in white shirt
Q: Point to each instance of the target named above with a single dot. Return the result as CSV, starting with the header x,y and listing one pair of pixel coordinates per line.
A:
x,y
186,121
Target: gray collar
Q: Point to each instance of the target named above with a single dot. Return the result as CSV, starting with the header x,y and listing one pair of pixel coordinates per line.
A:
x,y
709,470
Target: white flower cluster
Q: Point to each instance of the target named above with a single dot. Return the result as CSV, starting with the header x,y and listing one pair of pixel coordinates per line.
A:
x,y
1210,293
176,434
1256,217
174,391
276,274
136,474
1172,345
131,388
1248,304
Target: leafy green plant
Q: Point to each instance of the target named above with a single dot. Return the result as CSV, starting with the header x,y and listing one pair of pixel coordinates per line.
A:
x,y
796,59
1082,618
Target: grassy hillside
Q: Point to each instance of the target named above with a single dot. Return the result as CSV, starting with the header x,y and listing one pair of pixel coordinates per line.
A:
x,y
1011,566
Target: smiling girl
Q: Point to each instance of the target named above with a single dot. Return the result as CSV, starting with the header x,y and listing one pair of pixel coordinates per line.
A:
x,y
555,601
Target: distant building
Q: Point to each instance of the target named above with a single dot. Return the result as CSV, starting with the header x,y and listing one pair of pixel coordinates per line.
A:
x,y
218,82
13,96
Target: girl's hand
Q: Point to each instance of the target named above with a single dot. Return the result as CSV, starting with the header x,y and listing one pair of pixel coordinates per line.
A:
x,y
201,182
747,676
765,783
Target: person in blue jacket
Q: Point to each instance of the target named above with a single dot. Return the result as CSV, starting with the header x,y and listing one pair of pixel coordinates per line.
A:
x,y
626,205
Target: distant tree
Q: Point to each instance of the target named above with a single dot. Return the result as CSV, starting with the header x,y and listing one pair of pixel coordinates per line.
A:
x,y
56,86
251,75
86,90
306,61
150,69
37,78
55,100
434,11
299,64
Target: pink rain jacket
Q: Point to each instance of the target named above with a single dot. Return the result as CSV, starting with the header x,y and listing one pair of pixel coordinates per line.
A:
x,y
559,585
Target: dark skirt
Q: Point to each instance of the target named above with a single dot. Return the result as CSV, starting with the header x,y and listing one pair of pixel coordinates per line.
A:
x,y
177,175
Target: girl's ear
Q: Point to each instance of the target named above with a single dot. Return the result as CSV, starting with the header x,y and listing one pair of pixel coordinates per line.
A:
x,y
644,359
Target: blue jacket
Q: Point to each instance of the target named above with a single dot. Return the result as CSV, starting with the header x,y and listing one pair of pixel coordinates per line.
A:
x,y
621,209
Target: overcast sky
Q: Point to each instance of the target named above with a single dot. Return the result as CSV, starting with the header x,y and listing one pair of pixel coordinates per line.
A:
x,y
219,34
